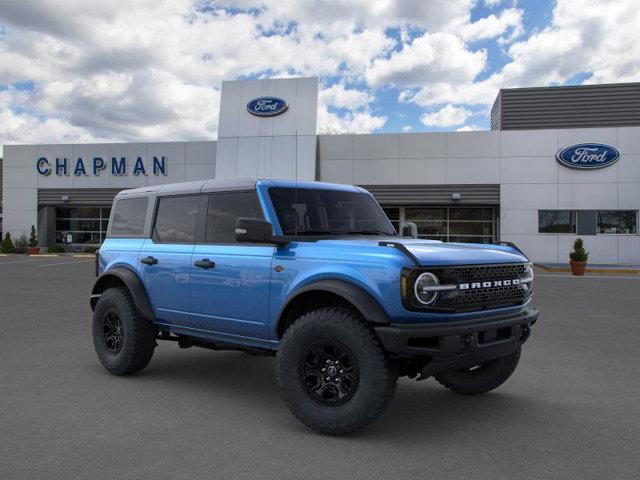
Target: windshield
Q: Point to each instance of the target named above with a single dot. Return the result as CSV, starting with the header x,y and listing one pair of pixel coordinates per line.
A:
x,y
306,211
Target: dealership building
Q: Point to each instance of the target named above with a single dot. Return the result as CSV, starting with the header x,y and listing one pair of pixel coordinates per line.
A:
x,y
559,163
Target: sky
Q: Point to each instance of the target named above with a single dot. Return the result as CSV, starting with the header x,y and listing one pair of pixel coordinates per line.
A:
x,y
77,71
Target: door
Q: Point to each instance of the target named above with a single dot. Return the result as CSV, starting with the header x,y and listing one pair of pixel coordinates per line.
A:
x,y
230,282
165,259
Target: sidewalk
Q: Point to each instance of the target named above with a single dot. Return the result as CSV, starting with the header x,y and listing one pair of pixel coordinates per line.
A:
x,y
591,268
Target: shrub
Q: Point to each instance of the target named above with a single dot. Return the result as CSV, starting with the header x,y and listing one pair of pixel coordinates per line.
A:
x,y
56,249
579,254
33,238
89,249
7,244
20,245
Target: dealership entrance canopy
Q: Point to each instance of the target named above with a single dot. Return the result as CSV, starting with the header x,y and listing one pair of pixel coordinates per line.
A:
x,y
561,162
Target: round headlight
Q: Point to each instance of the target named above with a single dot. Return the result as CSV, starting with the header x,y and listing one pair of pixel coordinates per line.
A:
x,y
423,293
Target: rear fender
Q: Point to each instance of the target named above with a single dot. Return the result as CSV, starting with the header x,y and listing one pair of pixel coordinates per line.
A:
x,y
126,277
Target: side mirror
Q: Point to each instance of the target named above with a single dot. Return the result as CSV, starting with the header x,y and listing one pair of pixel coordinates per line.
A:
x,y
409,229
253,230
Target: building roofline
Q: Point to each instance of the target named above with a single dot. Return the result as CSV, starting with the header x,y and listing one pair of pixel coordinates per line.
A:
x,y
568,87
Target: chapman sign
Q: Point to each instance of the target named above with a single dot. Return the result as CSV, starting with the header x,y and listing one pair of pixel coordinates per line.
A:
x,y
267,106
94,166
588,156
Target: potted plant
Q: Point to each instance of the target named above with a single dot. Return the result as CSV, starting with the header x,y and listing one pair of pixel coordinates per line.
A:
x,y
578,258
21,245
33,242
7,244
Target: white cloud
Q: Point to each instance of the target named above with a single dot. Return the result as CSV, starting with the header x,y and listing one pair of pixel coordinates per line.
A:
x,y
407,128
338,96
152,70
492,3
585,36
351,122
432,57
469,128
447,116
509,20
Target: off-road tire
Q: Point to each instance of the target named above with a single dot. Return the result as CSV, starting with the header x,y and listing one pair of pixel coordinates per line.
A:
x,y
138,335
482,379
377,375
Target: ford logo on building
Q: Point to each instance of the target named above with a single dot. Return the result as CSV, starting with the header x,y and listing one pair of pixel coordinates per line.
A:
x,y
588,156
267,106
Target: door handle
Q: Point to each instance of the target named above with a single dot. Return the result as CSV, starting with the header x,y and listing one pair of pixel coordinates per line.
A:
x,y
149,260
205,263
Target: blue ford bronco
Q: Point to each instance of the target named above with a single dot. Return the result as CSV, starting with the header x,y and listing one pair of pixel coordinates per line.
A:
x,y
315,275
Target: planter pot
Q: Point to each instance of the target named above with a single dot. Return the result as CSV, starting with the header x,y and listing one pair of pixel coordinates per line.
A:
x,y
578,268
34,250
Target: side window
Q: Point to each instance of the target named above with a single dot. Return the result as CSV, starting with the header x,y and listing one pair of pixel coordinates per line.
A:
x,y
176,219
128,216
224,210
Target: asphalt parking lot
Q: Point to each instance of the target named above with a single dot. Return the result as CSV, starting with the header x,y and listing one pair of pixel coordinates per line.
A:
x,y
571,410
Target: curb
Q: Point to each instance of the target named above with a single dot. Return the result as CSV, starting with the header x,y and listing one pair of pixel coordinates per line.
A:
x,y
590,269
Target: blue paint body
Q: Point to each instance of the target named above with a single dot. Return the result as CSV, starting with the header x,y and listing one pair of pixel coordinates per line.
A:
x,y
241,299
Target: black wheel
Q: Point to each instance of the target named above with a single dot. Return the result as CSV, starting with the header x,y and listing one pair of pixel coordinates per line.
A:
x,y
123,340
480,378
333,373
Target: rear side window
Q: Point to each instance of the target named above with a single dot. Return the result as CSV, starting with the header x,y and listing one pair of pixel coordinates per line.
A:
x,y
128,216
176,219
224,210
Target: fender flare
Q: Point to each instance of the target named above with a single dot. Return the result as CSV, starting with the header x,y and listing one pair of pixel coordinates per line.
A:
x,y
366,305
133,284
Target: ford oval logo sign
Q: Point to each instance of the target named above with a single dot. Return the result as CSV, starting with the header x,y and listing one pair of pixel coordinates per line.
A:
x,y
588,156
267,106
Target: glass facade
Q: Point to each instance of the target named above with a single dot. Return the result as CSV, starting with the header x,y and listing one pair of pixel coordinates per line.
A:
x,y
449,224
86,225
618,221
556,221
588,222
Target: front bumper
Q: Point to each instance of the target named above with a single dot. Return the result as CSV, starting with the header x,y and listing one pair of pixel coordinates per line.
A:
x,y
461,344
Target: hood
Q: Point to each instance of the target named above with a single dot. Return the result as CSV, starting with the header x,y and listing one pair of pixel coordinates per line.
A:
x,y
436,253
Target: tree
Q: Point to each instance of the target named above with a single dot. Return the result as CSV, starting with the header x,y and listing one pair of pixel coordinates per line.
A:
x,y
579,254
7,244
33,238
332,129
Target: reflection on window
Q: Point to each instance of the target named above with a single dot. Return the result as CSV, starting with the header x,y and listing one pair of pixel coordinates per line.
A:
x,y
618,221
86,225
224,211
449,224
176,219
556,221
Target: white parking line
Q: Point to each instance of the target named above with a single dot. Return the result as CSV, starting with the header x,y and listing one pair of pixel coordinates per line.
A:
x,y
21,261
64,263
588,276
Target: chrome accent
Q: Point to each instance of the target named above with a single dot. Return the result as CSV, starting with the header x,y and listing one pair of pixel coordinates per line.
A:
x,y
440,288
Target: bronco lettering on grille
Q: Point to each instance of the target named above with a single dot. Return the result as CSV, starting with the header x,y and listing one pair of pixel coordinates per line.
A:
x,y
493,283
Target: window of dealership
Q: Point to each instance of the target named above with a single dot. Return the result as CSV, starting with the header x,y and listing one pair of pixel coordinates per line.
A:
x,y
86,225
448,224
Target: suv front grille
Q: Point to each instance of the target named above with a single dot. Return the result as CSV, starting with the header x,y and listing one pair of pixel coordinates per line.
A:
x,y
474,297
487,272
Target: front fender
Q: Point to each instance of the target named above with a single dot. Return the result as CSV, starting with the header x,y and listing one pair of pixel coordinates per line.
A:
x,y
362,301
131,281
